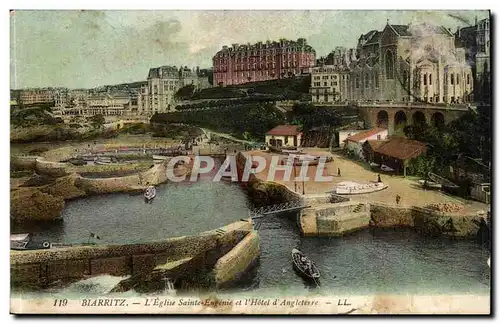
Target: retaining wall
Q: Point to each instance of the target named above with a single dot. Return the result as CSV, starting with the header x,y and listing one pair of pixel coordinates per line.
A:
x,y
235,263
334,219
40,267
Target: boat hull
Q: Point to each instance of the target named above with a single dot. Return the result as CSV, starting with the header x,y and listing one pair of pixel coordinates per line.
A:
x,y
302,271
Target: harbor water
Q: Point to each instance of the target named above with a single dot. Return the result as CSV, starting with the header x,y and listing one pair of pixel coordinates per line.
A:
x,y
366,262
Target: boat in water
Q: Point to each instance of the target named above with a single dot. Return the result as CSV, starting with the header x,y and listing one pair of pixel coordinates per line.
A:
x,y
149,194
305,267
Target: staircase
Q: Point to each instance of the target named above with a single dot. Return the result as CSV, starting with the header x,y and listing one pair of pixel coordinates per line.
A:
x,y
357,209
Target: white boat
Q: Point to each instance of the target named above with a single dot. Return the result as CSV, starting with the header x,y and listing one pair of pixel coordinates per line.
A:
x,y
149,193
489,262
160,157
350,188
386,168
19,241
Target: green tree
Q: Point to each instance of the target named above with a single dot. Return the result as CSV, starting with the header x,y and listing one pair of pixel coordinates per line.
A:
x,y
96,121
185,92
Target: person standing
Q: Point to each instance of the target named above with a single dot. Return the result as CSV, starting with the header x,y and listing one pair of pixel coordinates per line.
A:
x,y
338,172
378,178
398,199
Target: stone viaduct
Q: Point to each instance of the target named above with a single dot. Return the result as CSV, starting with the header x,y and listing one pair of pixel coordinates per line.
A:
x,y
394,116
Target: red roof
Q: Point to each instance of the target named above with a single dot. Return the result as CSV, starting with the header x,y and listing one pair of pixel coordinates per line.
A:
x,y
284,130
375,144
401,148
359,137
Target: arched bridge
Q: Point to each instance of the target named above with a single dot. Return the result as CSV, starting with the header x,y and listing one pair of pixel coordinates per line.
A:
x,y
394,116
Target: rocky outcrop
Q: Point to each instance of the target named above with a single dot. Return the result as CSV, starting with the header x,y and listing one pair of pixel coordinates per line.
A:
x,y
23,162
33,204
427,221
65,188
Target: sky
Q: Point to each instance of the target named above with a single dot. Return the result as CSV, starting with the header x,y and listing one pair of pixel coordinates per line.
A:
x,y
85,49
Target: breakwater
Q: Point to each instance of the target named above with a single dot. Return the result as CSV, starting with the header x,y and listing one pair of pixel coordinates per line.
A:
x,y
214,257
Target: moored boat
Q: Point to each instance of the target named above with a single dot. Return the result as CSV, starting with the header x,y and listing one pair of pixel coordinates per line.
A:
x,y
24,242
305,267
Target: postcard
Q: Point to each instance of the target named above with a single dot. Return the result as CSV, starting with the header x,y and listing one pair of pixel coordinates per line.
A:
x,y
250,162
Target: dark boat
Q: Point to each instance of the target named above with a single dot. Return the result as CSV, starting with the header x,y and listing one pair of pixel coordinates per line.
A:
x,y
305,267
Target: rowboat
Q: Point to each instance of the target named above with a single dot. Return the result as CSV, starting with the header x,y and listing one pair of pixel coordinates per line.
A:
x,y
149,194
23,242
305,267
430,184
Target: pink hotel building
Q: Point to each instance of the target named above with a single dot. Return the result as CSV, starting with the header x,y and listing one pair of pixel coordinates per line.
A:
x,y
262,61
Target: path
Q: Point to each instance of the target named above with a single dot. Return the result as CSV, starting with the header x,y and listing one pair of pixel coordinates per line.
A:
x,y
226,136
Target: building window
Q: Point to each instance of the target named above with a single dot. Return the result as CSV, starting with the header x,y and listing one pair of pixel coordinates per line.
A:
x,y
430,79
377,80
452,79
425,79
446,79
458,79
468,78
389,65
357,81
334,83
325,84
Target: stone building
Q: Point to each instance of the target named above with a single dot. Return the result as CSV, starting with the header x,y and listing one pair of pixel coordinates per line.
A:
x,y
157,95
410,63
476,40
37,96
329,83
106,104
262,61
330,79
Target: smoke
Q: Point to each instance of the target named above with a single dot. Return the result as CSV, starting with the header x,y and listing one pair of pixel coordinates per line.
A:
x,y
434,42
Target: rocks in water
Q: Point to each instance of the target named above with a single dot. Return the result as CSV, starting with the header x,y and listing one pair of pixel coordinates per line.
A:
x,y
32,204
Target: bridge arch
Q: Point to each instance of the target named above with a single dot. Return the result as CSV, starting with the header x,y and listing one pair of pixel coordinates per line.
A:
x,y
382,119
418,118
400,121
437,119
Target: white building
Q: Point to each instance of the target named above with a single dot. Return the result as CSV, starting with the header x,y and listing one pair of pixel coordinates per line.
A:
x,y
355,142
284,136
329,83
157,95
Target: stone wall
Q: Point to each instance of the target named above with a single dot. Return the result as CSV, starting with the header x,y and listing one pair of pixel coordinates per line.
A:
x,y
41,267
334,219
232,265
23,162
54,169
341,218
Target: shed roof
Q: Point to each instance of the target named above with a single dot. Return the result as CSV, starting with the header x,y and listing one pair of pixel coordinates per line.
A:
x,y
401,148
284,130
